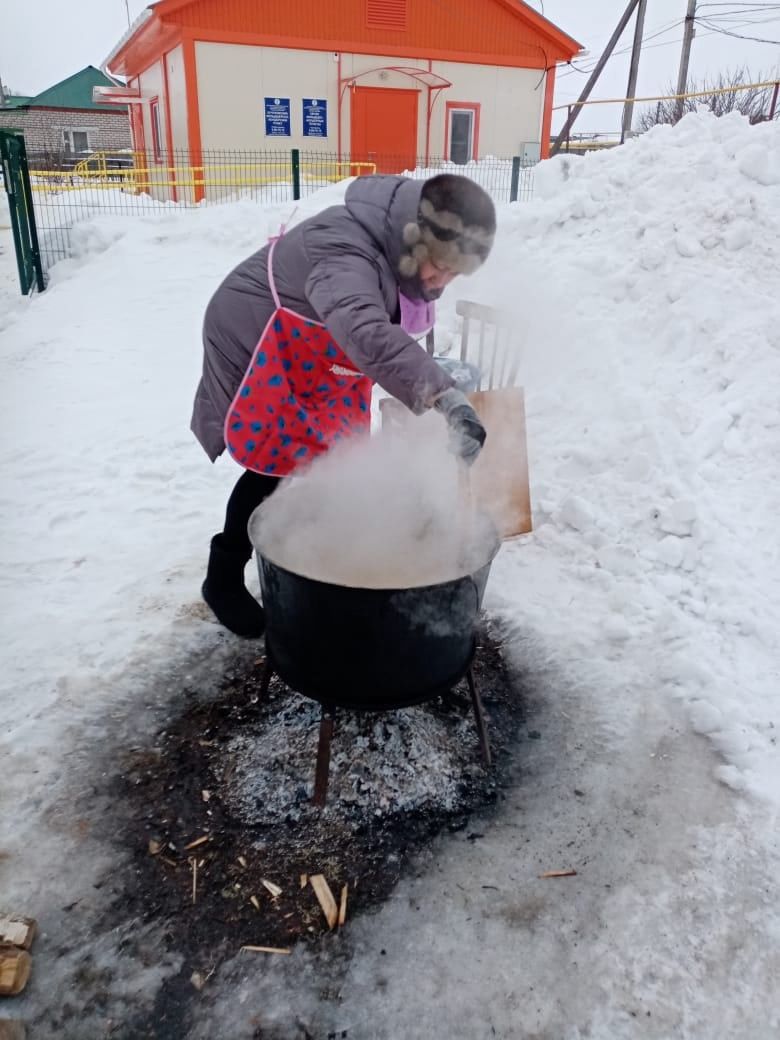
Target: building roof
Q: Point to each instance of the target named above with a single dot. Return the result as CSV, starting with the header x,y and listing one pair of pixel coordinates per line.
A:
x,y
15,101
497,32
75,92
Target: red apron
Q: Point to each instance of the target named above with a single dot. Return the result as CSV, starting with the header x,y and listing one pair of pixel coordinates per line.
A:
x,y
300,395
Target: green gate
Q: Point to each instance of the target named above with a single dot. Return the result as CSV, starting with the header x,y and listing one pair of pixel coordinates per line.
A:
x,y
20,202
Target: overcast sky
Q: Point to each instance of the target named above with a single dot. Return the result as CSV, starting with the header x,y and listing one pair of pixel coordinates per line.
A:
x,y
43,41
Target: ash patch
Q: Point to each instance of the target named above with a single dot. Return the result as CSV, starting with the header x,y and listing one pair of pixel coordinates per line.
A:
x,y
218,805
413,760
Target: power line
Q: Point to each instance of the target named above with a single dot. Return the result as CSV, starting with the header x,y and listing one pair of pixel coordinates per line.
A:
x,y
736,36
625,50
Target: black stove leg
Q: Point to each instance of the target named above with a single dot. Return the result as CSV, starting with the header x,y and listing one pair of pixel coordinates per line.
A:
x,y
268,674
479,715
323,758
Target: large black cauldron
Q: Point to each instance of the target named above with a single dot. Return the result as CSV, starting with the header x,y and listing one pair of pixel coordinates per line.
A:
x,y
370,649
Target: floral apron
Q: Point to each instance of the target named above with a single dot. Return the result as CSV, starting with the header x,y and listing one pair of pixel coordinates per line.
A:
x,y
301,393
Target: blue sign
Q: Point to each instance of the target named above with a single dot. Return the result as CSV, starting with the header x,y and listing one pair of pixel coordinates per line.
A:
x,y
277,117
315,117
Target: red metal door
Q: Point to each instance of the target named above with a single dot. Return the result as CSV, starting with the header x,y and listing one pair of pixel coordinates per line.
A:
x,y
384,128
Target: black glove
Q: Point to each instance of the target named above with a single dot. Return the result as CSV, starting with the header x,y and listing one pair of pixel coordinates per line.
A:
x,y
467,434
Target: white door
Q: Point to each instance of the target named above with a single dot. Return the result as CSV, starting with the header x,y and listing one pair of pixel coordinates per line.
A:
x,y
461,135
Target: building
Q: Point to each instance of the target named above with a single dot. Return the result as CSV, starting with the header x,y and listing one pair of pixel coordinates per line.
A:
x,y
390,82
65,122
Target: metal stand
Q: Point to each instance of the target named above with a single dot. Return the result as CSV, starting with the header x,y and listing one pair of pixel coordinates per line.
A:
x,y
322,768
268,674
479,715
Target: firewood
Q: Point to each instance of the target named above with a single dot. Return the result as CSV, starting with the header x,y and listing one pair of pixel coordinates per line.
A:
x,y
16,931
198,841
325,898
15,965
343,906
558,873
12,1029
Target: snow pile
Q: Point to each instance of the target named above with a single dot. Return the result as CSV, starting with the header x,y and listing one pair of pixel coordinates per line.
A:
x,y
644,283
646,286
386,513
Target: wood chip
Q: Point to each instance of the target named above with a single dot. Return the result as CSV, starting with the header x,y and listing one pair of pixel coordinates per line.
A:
x,y
12,1029
155,847
17,931
197,980
242,861
272,888
255,902
304,880
15,967
558,873
198,841
205,795
266,949
325,899
194,864
343,906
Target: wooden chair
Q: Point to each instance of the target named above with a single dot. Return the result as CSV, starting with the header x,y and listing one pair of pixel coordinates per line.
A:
x,y
489,340
499,479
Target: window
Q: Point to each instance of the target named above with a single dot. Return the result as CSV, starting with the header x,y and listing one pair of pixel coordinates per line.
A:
x,y
462,130
154,115
76,142
386,14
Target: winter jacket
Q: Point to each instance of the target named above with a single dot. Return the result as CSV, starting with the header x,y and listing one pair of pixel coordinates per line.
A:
x,y
340,267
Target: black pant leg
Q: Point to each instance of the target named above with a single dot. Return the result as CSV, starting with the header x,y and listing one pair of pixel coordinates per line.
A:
x,y
251,489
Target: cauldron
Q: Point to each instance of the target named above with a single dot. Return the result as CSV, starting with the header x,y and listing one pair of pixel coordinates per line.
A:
x,y
370,649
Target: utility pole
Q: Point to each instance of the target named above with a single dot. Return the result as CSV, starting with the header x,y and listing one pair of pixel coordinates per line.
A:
x,y
685,57
577,108
628,110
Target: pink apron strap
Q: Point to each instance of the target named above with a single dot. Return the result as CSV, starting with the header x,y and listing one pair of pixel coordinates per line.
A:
x,y
271,282
273,240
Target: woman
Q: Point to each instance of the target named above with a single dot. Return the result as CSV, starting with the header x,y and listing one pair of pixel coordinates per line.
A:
x,y
297,334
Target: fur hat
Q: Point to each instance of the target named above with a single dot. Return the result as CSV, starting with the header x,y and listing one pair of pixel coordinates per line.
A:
x,y
456,225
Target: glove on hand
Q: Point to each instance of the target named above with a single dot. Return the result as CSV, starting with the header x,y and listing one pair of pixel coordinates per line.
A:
x,y
467,434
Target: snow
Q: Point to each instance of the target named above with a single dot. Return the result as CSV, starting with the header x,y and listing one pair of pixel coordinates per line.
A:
x,y
641,616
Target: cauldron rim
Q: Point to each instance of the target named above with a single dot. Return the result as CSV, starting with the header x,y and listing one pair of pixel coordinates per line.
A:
x,y
387,589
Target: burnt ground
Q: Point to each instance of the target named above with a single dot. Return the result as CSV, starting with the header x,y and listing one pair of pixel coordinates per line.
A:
x,y
206,898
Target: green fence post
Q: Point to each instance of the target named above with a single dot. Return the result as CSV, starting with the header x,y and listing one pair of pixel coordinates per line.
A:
x,y
515,185
20,203
32,227
296,173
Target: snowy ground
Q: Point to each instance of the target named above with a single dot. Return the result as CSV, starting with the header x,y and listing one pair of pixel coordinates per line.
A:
x,y
643,613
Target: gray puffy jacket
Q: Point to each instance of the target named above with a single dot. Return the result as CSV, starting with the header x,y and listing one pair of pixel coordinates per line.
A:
x,y
340,268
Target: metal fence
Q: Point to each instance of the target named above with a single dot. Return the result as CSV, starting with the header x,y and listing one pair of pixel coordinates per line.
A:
x,y
133,183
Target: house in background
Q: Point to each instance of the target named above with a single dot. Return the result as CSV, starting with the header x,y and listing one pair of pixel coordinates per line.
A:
x,y
64,122
393,82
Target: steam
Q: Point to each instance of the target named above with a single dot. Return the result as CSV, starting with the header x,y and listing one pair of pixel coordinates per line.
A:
x,y
384,512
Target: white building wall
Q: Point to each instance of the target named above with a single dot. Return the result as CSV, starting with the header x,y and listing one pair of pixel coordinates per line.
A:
x,y
234,79
177,93
150,84
511,102
158,178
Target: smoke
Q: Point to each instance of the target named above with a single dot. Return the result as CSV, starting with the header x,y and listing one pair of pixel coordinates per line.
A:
x,y
386,512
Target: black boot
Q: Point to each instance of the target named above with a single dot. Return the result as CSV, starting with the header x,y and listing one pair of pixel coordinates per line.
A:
x,y
227,595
